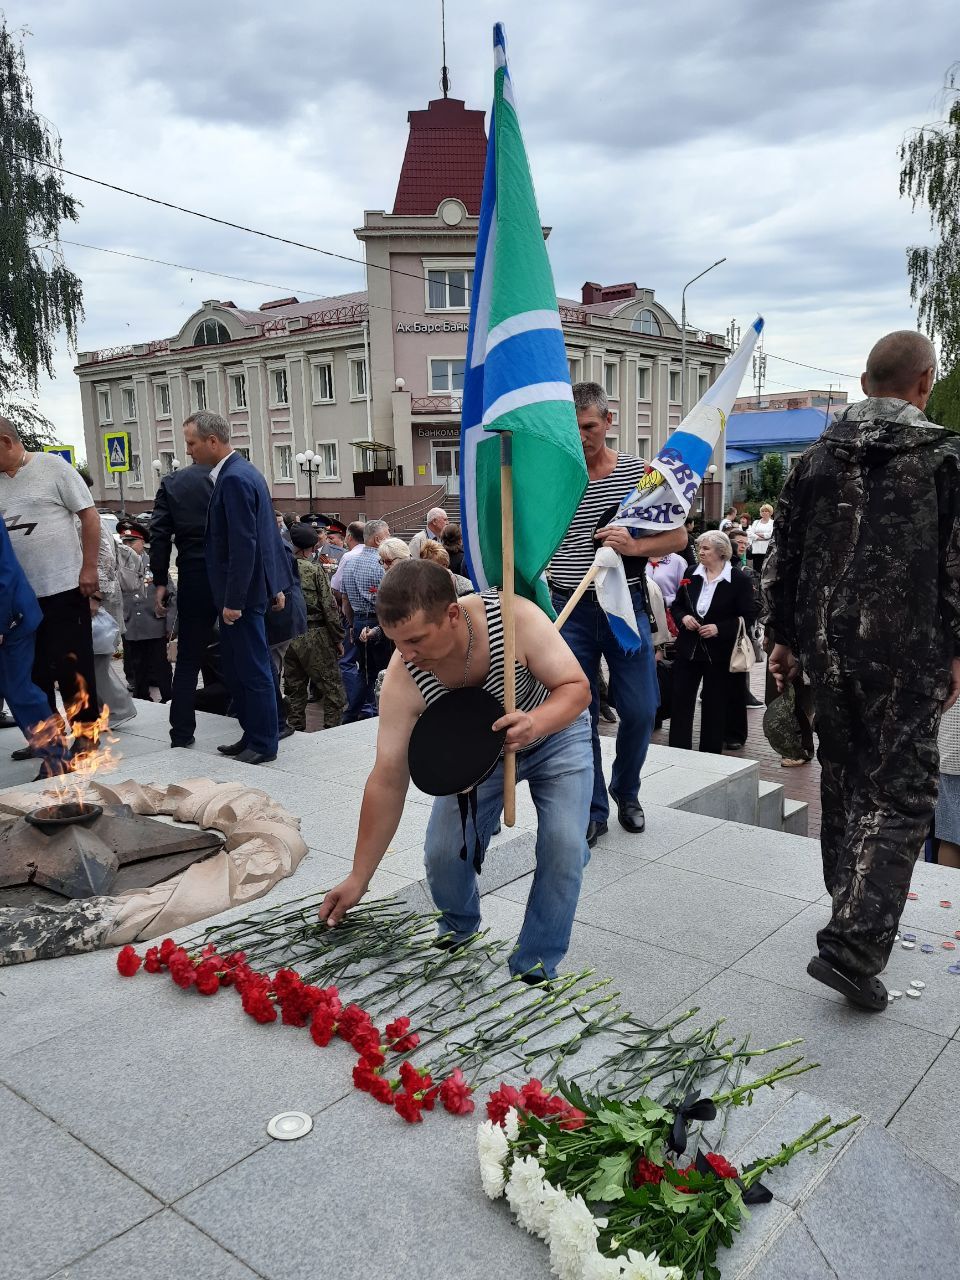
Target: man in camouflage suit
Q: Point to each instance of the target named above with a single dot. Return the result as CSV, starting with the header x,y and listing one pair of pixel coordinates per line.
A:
x,y
313,658
864,591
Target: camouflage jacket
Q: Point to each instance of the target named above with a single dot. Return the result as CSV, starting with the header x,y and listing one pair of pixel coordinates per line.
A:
x,y
865,572
322,609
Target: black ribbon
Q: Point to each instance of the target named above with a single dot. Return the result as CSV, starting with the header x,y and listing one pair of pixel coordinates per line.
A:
x,y
693,1107
468,802
757,1194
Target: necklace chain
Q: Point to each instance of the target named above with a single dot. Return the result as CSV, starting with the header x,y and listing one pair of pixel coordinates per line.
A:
x,y
466,666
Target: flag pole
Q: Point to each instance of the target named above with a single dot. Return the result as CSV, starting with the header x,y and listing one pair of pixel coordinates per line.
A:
x,y
574,600
509,622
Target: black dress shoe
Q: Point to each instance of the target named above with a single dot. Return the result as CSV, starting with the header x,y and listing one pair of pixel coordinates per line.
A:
x,y
253,757
733,746
629,814
22,753
287,731
233,748
594,831
187,742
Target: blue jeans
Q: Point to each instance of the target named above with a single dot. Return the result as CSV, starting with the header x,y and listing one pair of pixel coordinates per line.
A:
x,y
560,775
633,691
28,704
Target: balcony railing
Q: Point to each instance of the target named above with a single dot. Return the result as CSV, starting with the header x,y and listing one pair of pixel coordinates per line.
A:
x,y
436,404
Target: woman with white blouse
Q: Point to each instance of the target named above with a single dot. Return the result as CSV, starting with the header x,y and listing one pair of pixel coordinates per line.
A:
x,y
761,535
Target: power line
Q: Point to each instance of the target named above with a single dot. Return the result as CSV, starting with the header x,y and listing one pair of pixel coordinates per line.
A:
x,y
817,368
209,217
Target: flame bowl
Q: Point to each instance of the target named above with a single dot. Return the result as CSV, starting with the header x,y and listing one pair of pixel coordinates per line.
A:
x,y
52,817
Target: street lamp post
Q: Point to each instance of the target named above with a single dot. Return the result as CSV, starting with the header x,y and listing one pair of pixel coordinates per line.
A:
x,y
309,465
711,472
683,333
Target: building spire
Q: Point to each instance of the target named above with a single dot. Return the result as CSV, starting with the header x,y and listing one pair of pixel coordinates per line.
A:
x,y
444,74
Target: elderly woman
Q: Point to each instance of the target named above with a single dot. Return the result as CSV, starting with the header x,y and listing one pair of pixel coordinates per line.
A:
x,y
707,610
761,535
439,555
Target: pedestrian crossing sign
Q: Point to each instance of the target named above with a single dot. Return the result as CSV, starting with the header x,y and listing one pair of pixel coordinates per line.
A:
x,y
116,449
64,451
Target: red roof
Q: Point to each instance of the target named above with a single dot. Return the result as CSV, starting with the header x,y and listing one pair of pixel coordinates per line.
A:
x,y
445,155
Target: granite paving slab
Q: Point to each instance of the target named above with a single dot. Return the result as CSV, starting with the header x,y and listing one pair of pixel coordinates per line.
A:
x,y
57,1197
868,1063
790,1254
666,829
929,1120
160,1248
184,1090
711,919
750,855
389,1199
782,958
881,1211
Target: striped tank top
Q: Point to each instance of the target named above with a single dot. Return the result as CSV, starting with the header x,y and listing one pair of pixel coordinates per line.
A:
x,y
530,692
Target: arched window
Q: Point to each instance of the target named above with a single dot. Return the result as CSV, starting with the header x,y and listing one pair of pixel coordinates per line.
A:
x,y
210,334
646,322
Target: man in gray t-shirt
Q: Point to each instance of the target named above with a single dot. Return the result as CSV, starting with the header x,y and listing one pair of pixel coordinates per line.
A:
x,y
55,532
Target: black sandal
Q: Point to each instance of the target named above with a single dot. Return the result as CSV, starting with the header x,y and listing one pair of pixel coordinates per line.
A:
x,y
866,993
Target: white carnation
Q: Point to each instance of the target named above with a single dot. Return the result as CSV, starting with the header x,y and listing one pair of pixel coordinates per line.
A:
x,y
492,1149
639,1266
572,1235
511,1125
598,1267
525,1191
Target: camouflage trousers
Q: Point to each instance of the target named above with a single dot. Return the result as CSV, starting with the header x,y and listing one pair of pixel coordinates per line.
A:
x,y
879,770
312,659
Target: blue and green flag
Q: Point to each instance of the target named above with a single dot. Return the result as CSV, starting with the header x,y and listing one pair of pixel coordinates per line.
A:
x,y
516,377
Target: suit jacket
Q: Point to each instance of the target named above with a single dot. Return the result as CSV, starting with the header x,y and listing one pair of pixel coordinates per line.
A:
x,y
180,516
731,601
246,562
291,620
19,609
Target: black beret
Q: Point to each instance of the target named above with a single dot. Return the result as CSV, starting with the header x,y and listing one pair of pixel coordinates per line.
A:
x,y
453,746
304,536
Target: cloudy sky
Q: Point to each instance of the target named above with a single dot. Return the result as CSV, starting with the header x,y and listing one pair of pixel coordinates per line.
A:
x,y
661,138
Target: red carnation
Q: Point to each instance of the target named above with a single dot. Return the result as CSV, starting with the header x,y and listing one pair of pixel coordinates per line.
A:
x,y
128,962
573,1119
182,970
399,1027
352,1021
167,948
151,961
646,1171
721,1167
208,984
407,1106
380,1090
500,1102
258,1005
363,1077
322,1027
683,1174
373,1055
534,1100
455,1094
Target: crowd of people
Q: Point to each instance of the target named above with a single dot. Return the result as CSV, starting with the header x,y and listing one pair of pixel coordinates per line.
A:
x,y
274,610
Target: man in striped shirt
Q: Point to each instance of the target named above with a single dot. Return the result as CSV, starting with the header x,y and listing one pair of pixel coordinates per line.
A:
x,y
633,677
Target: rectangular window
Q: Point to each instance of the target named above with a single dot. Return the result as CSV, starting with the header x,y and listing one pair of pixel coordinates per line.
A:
x,y
358,379
238,391
448,289
643,447
129,398
643,383
446,376
746,478
282,462
136,475
322,383
278,387
326,453
674,386
104,412
198,393
161,393
244,453
703,385
611,378
575,365
166,463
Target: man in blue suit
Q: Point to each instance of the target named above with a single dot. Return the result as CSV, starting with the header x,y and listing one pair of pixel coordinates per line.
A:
x,y
20,615
248,574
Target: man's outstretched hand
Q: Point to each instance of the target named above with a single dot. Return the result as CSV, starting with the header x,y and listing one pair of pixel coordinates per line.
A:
x,y
784,666
341,898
